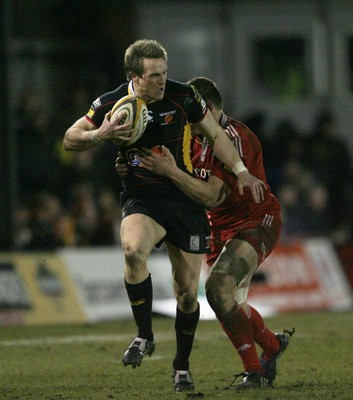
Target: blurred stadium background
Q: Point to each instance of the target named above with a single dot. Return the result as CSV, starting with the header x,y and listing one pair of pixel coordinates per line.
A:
x,y
285,68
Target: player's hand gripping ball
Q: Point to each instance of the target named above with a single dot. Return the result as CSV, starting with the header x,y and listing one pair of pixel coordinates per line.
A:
x,y
136,112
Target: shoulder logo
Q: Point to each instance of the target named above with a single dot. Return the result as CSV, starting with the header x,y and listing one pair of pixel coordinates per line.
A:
x,y
199,98
97,103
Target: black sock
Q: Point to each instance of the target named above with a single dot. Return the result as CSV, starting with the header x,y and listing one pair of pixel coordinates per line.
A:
x,y
140,296
185,327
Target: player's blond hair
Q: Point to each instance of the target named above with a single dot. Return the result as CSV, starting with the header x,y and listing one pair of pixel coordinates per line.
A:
x,y
138,51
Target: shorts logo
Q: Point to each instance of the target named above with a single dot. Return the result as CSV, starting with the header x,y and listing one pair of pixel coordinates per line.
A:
x,y
194,242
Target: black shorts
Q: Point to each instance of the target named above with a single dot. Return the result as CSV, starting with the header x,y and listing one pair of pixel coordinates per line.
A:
x,y
185,222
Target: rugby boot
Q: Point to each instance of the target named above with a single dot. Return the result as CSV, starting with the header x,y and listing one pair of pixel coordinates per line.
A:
x,y
270,366
183,381
137,350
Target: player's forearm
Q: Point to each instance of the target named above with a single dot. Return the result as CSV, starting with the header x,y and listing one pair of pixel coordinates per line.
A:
x,y
227,153
195,189
77,139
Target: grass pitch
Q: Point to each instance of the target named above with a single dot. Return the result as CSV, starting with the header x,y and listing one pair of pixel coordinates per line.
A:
x,y
71,362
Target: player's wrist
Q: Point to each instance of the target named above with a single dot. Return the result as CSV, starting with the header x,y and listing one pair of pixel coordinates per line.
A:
x,y
93,135
239,167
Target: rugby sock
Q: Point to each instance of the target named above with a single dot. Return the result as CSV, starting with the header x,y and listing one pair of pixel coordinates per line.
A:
x,y
237,327
185,327
265,338
140,296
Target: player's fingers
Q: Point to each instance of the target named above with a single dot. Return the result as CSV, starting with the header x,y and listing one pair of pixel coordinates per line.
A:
x,y
120,160
165,150
255,194
146,152
263,189
123,128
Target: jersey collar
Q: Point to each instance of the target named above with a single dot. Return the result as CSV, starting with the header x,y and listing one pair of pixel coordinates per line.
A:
x,y
131,89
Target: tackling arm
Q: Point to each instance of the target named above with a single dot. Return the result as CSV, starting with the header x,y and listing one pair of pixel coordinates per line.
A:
x,y
210,194
228,155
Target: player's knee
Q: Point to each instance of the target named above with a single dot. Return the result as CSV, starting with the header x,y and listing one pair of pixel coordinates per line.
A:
x,y
218,298
187,300
135,256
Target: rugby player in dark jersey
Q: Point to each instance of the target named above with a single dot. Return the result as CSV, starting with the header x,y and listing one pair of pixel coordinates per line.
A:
x,y
243,234
154,209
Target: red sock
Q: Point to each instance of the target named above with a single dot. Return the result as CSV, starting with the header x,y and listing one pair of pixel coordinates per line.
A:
x,y
262,335
237,327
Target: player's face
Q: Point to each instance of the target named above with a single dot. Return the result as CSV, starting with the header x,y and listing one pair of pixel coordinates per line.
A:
x,y
151,85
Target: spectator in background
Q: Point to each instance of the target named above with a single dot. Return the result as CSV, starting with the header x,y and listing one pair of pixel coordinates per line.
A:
x,y
316,213
304,202
284,146
328,156
40,224
35,155
82,214
108,220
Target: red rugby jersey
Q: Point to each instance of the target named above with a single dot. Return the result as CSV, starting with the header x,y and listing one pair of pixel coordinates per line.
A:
x,y
235,209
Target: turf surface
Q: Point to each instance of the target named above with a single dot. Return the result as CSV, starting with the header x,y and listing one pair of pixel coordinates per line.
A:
x,y
70,362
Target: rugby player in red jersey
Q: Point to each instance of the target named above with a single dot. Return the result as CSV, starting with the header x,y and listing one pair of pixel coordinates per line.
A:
x,y
243,234
154,209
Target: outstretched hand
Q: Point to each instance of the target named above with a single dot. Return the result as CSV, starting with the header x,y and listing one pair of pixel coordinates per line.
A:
x,y
256,185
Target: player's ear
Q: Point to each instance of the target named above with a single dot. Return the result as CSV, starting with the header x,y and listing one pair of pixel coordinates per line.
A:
x,y
133,77
209,105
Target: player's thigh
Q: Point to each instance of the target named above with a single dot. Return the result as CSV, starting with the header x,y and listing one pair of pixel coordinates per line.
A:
x,y
238,259
141,233
237,248
186,268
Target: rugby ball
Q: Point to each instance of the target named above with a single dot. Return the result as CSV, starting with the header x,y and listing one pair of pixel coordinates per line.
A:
x,y
136,112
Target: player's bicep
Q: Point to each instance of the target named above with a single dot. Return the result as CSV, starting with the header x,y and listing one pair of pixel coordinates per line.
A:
x,y
208,126
84,124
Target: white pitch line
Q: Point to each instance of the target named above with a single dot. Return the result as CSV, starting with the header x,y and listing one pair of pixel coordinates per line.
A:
x,y
83,339
66,340
218,335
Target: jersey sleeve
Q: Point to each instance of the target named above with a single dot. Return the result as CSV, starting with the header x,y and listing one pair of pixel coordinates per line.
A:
x,y
195,106
103,104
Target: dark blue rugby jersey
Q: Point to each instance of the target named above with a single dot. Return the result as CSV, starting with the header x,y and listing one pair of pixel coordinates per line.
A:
x,y
168,124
